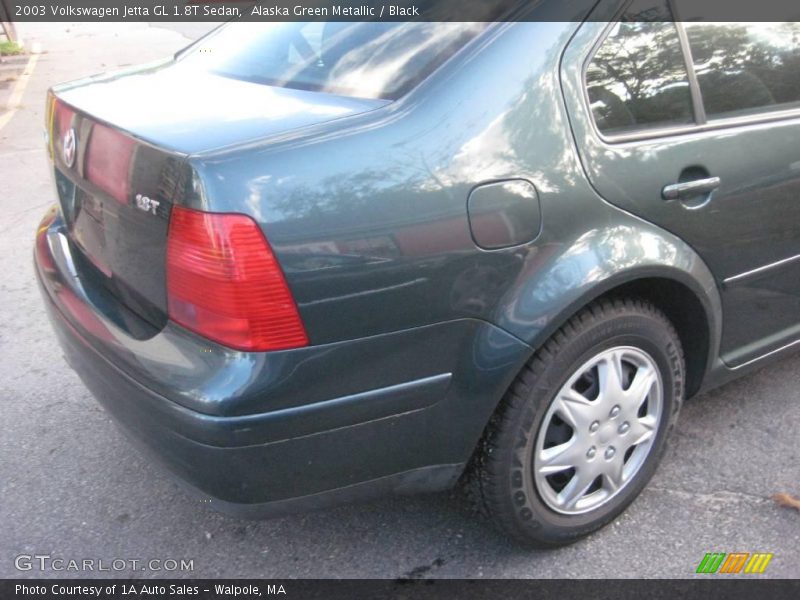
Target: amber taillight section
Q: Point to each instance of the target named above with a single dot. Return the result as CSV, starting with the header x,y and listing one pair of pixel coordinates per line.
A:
x,y
225,284
59,118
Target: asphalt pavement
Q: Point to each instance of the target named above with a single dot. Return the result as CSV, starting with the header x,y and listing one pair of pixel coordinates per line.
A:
x,y
72,487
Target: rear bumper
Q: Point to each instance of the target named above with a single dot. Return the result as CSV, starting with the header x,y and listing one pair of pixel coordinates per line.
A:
x,y
268,478
263,434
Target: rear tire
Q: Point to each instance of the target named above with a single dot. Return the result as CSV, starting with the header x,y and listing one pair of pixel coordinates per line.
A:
x,y
584,425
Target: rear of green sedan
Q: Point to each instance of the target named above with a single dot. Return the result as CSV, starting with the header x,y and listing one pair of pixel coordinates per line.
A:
x,y
312,263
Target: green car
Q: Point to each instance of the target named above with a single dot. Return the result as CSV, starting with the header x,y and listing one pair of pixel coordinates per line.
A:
x,y
312,263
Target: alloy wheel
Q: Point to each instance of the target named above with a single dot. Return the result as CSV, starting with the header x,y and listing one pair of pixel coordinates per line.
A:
x,y
598,431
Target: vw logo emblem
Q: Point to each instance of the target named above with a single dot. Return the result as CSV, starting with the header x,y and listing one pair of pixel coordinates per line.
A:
x,y
70,148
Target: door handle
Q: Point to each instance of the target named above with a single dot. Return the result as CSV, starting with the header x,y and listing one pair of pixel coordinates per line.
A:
x,y
690,189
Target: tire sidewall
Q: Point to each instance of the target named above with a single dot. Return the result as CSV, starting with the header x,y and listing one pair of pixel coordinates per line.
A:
x,y
648,333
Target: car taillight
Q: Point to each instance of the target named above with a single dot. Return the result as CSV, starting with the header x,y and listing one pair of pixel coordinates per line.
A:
x,y
59,120
108,161
225,284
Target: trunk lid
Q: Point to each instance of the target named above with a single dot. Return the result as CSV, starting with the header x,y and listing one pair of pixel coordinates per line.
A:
x,y
118,145
115,193
190,110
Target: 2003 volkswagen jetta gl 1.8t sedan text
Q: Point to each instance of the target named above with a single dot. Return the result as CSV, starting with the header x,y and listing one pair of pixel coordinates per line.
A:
x,y
310,263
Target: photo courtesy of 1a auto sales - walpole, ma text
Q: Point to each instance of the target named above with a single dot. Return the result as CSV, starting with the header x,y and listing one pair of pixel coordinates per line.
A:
x,y
406,299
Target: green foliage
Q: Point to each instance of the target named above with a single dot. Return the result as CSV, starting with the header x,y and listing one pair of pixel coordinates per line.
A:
x,y
10,48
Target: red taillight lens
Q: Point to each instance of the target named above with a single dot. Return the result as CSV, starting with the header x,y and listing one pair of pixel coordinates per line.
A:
x,y
224,283
108,161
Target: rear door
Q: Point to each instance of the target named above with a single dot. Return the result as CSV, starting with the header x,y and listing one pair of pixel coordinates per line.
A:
x,y
696,128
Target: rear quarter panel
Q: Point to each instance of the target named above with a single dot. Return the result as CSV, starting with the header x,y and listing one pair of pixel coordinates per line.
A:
x,y
368,215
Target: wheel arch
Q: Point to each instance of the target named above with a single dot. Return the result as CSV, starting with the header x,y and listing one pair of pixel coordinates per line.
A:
x,y
684,300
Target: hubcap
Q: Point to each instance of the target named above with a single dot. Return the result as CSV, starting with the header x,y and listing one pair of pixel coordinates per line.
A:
x,y
598,430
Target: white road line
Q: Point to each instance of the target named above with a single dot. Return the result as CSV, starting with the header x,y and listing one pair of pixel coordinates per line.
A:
x,y
19,90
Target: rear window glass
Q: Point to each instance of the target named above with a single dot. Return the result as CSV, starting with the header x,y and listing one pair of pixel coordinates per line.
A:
x,y
365,60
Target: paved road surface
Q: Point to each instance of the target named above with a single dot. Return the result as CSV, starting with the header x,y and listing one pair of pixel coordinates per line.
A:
x,y
71,485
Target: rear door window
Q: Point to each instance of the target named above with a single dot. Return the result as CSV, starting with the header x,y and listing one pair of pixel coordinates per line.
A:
x,y
637,78
746,68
